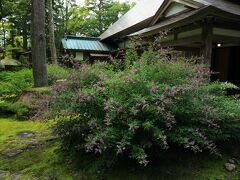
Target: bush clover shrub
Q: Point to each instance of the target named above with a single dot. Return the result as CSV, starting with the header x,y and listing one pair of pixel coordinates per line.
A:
x,y
152,104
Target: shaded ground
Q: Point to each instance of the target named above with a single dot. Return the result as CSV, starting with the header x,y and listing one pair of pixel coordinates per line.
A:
x,y
40,158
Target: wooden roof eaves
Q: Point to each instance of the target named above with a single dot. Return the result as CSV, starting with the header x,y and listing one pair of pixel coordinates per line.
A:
x,y
198,16
167,3
224,14
144,9
87,51
81,37
121,35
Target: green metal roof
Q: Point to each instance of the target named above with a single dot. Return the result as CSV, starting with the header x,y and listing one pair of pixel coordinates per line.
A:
x,y
84,44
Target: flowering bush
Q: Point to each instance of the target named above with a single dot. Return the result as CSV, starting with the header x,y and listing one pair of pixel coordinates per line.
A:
x,y
150,104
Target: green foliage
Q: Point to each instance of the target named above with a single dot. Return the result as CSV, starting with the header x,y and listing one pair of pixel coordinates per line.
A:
x,y
24,60
17,82
145,107
130,56
19,98
97,15
22,110
5,107
56,73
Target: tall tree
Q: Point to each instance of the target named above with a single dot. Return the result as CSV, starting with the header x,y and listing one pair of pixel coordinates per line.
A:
x,y
21,19
51,33
15,16
67,13
39,44
5,11
96,16
7,8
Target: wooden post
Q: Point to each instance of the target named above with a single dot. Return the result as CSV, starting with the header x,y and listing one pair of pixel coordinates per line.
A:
x,y
207,37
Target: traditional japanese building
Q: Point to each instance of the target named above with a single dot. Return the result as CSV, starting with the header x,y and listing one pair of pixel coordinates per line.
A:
x,y
207,28
85,48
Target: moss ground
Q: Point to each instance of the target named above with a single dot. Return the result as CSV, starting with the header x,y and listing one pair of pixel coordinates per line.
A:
x,y
10,128
46,161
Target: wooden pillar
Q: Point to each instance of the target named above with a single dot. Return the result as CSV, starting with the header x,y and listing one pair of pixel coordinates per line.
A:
x,y
207,37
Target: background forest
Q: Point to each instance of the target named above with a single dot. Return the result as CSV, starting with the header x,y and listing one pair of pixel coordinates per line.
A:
x,y
68,18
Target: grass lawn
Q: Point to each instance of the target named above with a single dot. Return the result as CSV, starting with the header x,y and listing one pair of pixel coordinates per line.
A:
x,y
47,161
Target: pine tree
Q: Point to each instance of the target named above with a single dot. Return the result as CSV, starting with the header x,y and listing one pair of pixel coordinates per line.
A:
x,y
39,44
51,33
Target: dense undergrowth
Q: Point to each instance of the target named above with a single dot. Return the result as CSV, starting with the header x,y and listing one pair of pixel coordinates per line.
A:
x,y
19,98
143,109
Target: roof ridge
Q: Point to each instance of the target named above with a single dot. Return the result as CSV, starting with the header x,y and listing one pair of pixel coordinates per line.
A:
x,y
81,37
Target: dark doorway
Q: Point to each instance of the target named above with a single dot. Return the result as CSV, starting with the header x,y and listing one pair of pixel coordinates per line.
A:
x,y
234,65
226,64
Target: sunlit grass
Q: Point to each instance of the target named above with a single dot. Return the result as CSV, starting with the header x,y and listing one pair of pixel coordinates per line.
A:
x,y
9,129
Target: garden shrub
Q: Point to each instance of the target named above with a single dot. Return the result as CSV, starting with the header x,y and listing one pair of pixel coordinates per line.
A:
x,y
15,84
151,104
56,73
5,108
18,81
22,110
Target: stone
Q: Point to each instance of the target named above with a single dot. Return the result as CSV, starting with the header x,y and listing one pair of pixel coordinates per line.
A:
x,y
231,161
61,80
3,174
12,153
230,167
26,134
34,145
16,176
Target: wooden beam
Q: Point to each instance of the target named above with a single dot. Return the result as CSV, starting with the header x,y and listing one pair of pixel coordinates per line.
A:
x,y
219,23
182,42
186,48
226,39
207,36
226,32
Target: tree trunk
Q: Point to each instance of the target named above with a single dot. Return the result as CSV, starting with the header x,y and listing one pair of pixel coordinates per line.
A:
x,y
4,38
39,44
51,33
12,41
66,17
25,36
4,32
25,41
